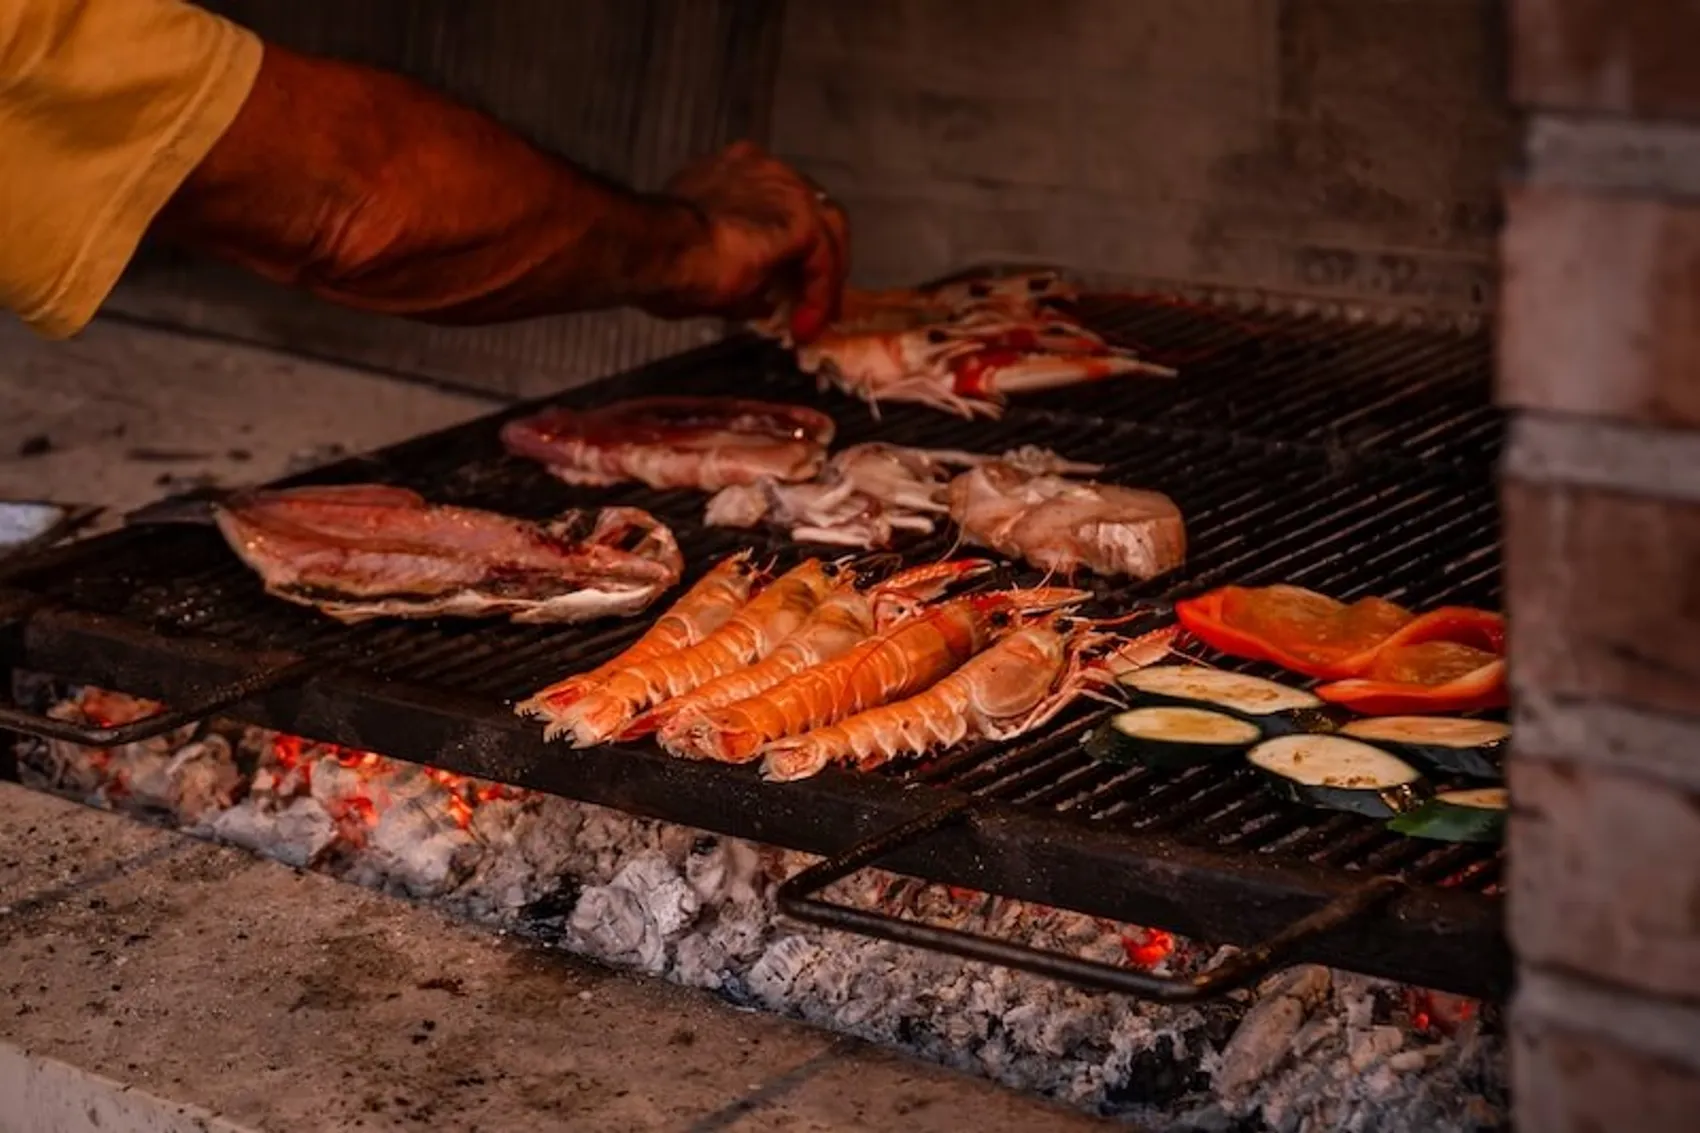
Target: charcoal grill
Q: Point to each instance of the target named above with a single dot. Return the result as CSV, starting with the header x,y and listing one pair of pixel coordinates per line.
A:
x,y
1354,457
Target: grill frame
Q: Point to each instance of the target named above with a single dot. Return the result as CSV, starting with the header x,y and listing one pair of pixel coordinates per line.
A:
x,y
1400,431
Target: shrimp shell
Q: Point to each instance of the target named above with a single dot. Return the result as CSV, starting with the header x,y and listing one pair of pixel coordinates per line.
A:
x,y
896,663
701,610
990,696
747,636
847,617
1016,685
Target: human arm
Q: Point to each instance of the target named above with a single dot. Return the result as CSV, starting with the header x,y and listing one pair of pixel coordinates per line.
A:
x,y
122,116
402,201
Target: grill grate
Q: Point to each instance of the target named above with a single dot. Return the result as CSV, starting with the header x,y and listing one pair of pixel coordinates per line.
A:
x,y
1354,459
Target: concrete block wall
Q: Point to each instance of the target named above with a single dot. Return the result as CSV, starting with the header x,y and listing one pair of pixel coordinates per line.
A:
x,y
1337,147
1600,353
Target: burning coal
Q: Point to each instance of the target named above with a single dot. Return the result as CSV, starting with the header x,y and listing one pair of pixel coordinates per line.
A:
x,y
1311,1050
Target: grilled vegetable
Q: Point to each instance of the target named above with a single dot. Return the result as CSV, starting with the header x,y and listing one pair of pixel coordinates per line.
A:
x,y
1340,774
1473,748
1170,736
1380,659
1273,706
1475,815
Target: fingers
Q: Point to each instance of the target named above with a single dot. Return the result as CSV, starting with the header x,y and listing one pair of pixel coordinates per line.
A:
x,y
824,268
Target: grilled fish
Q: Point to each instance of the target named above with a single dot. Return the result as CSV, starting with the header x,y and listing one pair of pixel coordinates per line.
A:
x,y
362,551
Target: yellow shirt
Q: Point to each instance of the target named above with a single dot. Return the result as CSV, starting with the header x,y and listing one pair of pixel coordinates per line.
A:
x,y
106,106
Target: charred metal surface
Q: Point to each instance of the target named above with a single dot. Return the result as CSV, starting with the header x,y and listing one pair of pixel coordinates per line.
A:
x,y
1351,458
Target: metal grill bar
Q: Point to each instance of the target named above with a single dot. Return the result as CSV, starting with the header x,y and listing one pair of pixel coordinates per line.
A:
x,y
1355,459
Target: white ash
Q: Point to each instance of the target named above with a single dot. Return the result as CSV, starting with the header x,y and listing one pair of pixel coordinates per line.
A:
x,y
1309,1052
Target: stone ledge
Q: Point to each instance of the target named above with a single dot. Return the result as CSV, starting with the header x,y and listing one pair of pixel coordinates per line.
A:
x,y
284,1000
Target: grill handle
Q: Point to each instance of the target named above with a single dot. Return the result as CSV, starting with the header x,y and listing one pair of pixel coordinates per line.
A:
x,y
17,719
796,899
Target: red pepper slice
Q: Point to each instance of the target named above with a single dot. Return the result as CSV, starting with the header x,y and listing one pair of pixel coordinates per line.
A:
x,y
1482,689
1294,628
1381,659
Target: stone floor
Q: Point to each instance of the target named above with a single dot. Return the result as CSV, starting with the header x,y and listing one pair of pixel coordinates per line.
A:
x,y
149,982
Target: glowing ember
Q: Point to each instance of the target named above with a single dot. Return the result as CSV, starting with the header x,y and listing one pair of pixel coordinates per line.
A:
x,y
1439,1012
1148,947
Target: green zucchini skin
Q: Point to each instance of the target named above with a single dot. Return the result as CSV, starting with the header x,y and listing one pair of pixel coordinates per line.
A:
x,y
1310,714
1113,741
1404,788
1483,761
1444,819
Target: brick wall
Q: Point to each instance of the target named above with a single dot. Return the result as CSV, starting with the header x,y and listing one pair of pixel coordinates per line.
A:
x,y
1342,147
1600,351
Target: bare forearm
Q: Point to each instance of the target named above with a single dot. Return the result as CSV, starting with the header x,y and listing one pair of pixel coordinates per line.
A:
x,y
374,192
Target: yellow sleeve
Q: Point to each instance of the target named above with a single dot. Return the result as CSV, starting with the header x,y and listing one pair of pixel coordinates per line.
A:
x,y
106,106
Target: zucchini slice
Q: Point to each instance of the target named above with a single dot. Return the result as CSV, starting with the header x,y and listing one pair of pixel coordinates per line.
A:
x,y
1275,707
1170,736
1474,815
1447,744
1340,774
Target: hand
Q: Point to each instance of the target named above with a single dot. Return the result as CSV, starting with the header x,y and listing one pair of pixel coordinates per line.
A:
x,y
773,239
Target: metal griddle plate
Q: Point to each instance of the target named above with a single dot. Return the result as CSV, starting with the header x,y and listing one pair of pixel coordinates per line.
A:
x,y
1352,458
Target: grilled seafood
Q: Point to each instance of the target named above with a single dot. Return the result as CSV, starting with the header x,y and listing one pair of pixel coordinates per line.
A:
x,y
970,364
703,609
868,312
1062,525
896,663
846,618
752,633
675,442
867,494
362,551
1017,684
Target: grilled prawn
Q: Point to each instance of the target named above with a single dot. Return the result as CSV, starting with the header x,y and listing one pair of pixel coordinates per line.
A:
x,y
1018,684
749,635
704,608
845,619
896,663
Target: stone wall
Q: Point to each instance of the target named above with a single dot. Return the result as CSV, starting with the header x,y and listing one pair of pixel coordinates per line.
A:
x,y
1600,351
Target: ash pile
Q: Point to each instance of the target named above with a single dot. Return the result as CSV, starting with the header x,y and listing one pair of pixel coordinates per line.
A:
x,y
1312,1050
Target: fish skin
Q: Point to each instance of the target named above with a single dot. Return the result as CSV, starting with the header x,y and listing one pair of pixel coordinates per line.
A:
x,y
360,551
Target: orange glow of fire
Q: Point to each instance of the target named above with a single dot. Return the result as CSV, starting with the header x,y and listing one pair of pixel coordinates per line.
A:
x,y
1438,1011
465,795
292,753
1148,947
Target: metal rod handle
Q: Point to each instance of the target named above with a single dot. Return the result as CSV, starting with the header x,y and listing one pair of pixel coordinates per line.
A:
x,y
796,899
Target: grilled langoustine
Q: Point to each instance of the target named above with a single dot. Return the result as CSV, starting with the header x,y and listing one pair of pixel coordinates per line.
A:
x,y
704,608
605,711
1014,686
896,663
361,551
1062,525
675,442
843,620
